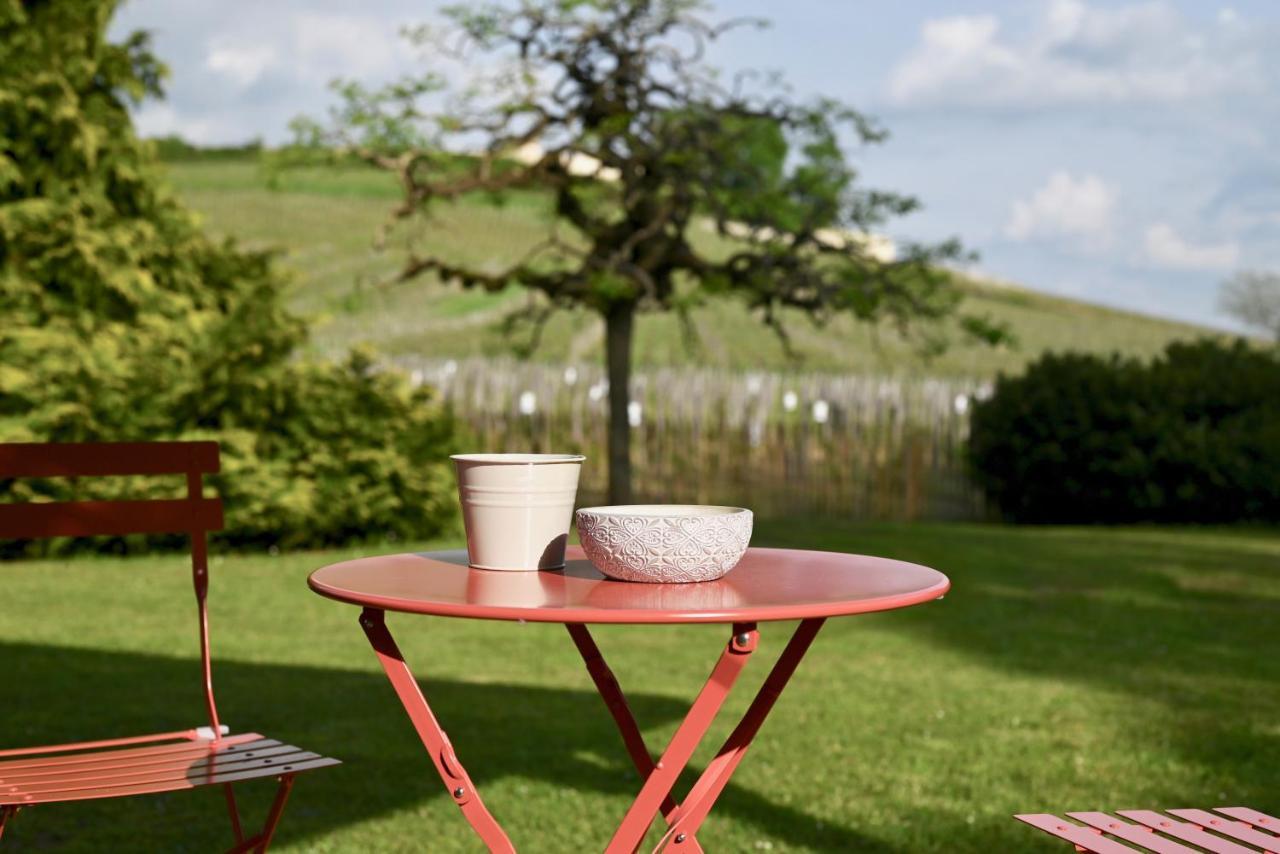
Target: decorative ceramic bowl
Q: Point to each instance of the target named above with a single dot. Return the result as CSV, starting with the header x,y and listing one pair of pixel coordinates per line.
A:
x,y
664,542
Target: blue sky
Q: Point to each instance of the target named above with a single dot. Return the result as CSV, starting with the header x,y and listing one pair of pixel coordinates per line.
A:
x,y
1119,152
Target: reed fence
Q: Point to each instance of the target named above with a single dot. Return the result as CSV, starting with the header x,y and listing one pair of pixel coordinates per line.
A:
x,y
858,447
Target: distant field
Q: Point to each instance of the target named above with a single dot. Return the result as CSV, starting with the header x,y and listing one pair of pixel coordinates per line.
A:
x,y
325,220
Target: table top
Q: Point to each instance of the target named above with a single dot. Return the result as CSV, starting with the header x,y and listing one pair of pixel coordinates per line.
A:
x,y
768,584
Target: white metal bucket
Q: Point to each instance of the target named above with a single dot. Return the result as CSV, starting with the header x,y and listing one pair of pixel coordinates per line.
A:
x,y
517,508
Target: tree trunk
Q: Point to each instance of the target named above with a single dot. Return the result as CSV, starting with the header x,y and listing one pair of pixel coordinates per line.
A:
x,y
619,322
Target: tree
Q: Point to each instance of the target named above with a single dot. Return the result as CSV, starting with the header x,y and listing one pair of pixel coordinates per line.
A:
x,y
608,106
122,320
1253,298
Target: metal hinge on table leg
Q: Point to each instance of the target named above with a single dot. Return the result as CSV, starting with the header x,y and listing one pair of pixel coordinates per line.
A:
x,y
455,781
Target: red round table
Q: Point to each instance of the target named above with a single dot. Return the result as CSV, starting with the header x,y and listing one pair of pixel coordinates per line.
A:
x,y
769,584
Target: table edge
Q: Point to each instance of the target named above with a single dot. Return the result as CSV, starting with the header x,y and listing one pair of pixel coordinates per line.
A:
x,y
602,616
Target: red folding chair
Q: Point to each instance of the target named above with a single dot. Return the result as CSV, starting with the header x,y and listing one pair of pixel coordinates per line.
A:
x,y
1176,832
161,762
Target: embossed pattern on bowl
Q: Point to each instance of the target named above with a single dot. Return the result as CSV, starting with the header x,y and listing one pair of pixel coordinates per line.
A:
x,y
666,543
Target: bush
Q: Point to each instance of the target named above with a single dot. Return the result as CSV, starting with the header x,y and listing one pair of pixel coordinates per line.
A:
x,y
175,149
124,321
1192,436
344,454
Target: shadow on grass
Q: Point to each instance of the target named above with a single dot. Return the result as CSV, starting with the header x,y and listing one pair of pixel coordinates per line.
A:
x,y
1185,618
54,694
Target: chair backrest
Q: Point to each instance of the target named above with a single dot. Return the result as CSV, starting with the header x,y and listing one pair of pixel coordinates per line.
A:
x,y
101,518
194,515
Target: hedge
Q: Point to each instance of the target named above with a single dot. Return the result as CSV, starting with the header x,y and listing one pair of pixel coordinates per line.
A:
x,y
1190,436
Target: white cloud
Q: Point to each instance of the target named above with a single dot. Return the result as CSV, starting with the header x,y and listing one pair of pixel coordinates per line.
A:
x,y
956,51
1066,206
1076,53
309,47
242,63
1165,248
328,46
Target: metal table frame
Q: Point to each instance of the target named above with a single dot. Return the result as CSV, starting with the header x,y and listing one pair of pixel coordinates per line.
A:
x,y
684,819
399,574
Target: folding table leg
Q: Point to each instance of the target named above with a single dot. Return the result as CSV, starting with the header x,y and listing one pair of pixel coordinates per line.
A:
x,y
685,820
455,778
690,814
659,783
660,778
611,692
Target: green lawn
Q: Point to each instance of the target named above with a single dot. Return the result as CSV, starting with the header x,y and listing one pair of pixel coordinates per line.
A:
x,y
1068,669
325,220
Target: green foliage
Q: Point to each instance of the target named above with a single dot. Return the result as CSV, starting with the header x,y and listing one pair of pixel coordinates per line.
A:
x,y
614,112
352,453
175,149
1253,298
621,121
1191,436
122,320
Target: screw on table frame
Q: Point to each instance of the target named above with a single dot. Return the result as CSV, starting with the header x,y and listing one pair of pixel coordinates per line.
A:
x,y
434,739
660,778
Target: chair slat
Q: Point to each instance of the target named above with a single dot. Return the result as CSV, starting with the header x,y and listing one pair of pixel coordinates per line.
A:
x,y
230,743
1229,827
1138,834
158,774
110,518
89,459
1185,831
154,765
106,763
1087,839
172,785
1251,816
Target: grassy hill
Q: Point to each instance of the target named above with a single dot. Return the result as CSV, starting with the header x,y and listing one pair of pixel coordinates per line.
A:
x,y
325,221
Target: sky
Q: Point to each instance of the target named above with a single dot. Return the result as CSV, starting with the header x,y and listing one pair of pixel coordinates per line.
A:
x,y
1117,152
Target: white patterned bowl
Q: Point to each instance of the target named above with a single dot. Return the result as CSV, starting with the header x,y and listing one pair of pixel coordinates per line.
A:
x,y
664,542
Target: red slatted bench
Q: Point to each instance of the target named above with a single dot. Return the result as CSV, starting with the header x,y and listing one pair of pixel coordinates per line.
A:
x,y
160,762
1225,830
